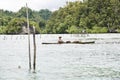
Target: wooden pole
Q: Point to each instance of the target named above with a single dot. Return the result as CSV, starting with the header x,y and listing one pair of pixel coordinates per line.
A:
x,y
34,43
28,28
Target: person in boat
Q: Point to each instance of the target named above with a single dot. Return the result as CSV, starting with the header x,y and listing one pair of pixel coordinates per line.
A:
x,y
60,40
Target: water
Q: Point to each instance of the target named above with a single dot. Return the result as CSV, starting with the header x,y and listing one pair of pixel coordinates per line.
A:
x,y
99,61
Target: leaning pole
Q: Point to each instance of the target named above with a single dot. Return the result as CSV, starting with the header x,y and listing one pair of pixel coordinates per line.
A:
x,y
28,29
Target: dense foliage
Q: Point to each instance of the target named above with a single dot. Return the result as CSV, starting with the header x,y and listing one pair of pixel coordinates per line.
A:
x,y
13,22
90,16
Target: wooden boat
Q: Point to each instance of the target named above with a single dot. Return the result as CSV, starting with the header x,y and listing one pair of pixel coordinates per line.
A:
x,y
85,42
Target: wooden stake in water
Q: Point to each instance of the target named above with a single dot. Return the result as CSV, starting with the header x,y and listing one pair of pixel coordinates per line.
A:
x,y
34,43
28,28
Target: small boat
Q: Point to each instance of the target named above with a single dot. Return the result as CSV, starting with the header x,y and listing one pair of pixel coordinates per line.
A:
x,y
75,42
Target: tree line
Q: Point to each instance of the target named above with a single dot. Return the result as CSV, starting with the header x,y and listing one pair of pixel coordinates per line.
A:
x,y
90,16
13,22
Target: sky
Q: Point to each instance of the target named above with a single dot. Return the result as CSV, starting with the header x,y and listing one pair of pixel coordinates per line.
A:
x,y
15,5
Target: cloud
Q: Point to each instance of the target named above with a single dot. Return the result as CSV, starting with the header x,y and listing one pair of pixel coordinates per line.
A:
x,y
15,5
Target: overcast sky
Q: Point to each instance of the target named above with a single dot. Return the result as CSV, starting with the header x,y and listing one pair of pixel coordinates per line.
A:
x,y
15,5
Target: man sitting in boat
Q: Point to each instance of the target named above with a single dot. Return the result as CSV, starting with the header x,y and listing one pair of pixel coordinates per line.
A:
x,y
60,40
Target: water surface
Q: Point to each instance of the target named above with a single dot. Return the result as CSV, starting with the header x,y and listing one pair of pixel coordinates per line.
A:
x,y
99,61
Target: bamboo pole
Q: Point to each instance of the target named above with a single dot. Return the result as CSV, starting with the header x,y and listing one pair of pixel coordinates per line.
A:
x,y
28,28
34,43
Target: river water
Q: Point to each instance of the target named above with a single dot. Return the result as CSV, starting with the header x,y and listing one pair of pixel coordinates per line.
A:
x,y
99,61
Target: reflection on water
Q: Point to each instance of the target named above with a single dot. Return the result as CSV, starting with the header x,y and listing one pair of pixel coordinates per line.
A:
x,y
99,61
